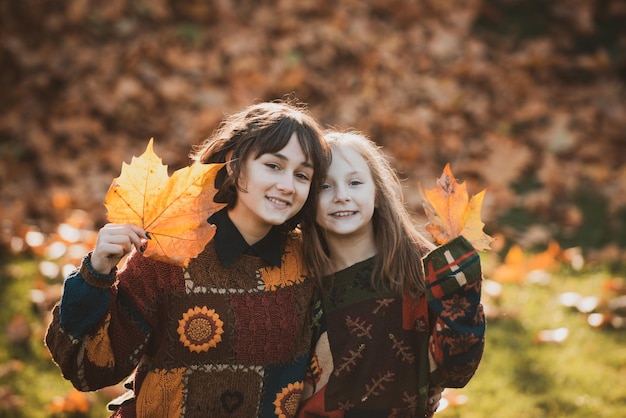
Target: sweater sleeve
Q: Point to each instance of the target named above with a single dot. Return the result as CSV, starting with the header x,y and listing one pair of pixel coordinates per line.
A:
x,y
84,304
96,335
453,287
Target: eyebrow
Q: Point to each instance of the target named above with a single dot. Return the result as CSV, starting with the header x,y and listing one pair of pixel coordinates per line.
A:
x,y
283,157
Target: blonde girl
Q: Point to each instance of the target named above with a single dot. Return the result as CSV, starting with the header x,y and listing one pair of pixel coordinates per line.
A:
x,y
399,318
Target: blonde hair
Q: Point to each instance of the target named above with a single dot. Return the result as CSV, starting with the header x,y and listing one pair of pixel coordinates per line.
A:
x,y
400,245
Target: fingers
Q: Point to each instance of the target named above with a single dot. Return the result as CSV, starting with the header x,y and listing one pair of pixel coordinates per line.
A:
x,y
114,242
139,231
119,239
434,398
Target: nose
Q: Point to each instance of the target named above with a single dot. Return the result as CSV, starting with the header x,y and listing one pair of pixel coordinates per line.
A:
x,y
341,194
286,184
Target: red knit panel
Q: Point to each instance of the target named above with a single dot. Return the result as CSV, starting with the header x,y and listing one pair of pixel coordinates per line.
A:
x,y
143,279
267,328
313,407
125,335
414,313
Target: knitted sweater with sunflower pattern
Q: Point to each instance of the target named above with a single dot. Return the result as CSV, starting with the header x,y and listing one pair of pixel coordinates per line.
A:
x,y
205,341
378,353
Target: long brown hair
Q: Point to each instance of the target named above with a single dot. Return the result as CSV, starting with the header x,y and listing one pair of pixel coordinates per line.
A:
x,y
399,243
260,129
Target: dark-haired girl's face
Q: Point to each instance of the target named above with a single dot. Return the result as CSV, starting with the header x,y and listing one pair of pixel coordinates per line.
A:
x,y
273,188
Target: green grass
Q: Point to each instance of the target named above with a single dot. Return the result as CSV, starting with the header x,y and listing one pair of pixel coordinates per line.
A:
x,y
585,376
30,380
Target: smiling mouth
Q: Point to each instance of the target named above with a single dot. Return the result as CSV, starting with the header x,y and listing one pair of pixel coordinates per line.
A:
x,y
278,202
343,214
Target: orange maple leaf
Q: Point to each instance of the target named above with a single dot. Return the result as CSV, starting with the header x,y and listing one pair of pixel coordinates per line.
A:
x,y
172,210
451,213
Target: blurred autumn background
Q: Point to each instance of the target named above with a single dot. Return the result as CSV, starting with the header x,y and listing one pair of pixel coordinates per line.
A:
x,y
524,98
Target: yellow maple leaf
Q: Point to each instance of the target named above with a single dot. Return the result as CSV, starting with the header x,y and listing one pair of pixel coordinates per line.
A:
x,y
172,210
451,213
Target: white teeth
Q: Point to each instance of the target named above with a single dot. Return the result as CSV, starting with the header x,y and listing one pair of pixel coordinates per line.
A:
x,y
342,214
277,202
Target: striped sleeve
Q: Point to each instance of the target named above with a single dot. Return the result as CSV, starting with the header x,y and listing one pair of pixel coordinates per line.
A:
x,y
453,287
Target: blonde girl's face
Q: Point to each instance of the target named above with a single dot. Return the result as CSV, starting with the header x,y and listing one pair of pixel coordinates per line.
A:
x,y
274,186
347,199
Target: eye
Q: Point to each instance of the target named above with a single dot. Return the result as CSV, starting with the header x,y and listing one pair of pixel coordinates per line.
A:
x,y
325,186
355,182
303,176
273,166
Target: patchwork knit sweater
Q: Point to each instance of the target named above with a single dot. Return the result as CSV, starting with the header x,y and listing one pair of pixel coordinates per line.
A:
x,y
378,353
205,341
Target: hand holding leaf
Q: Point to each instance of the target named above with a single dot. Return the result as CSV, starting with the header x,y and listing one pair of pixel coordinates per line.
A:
x,y
451,213
172,210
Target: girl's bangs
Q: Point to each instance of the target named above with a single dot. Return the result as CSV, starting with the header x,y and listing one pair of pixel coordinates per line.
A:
x,y
277,138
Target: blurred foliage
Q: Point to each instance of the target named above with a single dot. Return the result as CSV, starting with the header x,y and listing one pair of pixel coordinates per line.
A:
x,y
523,98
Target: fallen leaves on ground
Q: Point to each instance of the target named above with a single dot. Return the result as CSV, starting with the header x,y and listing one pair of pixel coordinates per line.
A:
x,y
556,336
9,401
172,210
518,267
73,402
605,309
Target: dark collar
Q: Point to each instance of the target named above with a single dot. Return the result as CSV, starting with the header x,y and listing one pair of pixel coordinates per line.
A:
x,y
230,244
